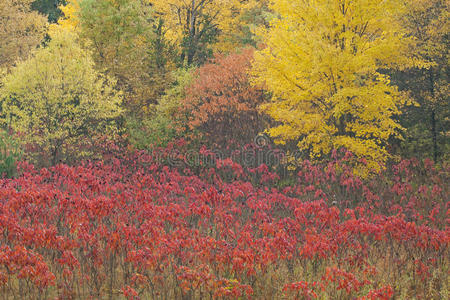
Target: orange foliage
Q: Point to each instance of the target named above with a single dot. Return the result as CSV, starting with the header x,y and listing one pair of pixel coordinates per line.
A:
x,y
222,104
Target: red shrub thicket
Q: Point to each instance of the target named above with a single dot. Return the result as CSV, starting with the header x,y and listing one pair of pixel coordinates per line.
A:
x,y
132,227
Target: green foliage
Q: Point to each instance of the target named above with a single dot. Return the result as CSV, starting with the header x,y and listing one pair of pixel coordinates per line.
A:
x,y
10,153
150,132
428,125
241,31
58,101
49,8
127,42
164,123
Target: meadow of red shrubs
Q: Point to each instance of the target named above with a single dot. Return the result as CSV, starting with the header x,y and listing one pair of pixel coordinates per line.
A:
x,y
132,227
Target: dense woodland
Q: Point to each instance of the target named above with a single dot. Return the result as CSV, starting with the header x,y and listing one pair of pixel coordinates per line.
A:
x,y
215,149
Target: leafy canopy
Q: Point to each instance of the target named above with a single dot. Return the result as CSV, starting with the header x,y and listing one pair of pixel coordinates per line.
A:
x,y
197,27
427,123
56,99
164,123
222,103
126,42
322,63
21,30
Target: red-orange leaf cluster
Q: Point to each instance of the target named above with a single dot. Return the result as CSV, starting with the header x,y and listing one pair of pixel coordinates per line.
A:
x,y
136,227
222,103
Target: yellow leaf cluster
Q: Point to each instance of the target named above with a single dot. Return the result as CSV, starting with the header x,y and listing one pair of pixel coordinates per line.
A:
x,y
182,17
70,19
56,98
323,62
21,30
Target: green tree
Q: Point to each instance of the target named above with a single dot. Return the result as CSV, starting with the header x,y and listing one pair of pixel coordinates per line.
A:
x,y
57,100
10,153
239,31
127,43
50,8
428,124
165,122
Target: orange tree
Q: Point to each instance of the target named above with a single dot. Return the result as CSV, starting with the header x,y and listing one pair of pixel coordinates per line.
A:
x,y
222,104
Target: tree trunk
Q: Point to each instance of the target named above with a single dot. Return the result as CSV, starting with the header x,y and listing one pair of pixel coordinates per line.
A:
x,y
433,117
434,133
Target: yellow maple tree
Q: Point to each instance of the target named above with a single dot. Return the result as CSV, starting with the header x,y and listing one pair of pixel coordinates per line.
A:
x,y
322,63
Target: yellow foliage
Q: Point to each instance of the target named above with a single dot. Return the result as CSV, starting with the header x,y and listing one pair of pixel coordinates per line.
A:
x,y
322,63
56,99
70,19
21,30
122,37
428,22
188,24
235,22
193,19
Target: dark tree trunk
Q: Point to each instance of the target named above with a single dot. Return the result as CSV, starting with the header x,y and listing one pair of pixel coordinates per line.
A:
x,y
434,133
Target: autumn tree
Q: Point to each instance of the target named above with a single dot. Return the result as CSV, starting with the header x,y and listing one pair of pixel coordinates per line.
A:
x,y
199,27
322,63
427,123
238,31
127,42
222,104
56,101
21,30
